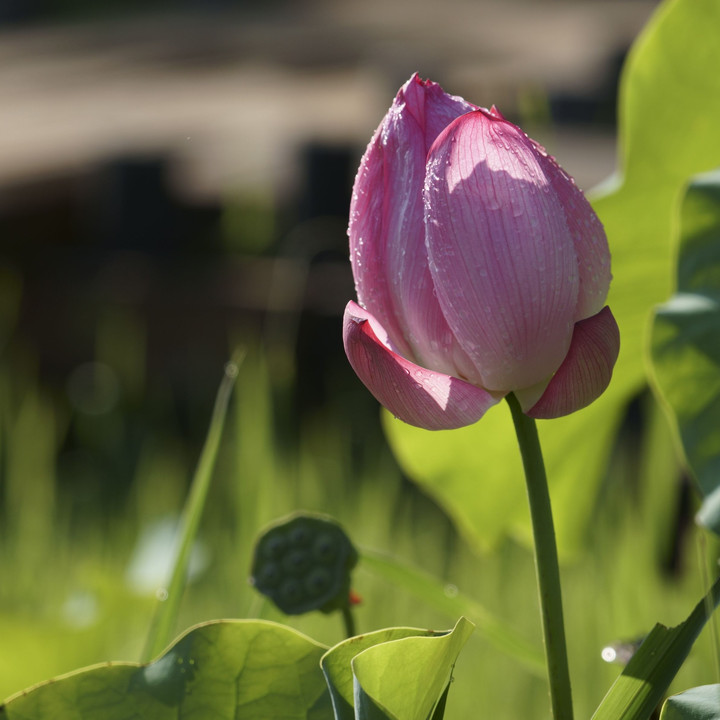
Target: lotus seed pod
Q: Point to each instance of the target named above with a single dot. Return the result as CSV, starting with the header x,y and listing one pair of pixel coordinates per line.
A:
x,y
303,563
291,591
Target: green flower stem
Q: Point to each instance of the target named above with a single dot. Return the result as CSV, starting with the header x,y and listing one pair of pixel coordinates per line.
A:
x,y
163,624
349,622
546,562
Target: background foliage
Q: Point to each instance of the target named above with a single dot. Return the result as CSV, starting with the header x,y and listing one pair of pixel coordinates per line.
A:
x,y
84,562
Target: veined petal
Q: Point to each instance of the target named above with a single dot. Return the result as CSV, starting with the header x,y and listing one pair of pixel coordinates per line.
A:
x,y
418,396
501,254
586,370
588,234
387,233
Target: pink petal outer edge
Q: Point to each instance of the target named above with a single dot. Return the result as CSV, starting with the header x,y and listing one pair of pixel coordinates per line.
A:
x,y
387,232
420,397
588,234
586,371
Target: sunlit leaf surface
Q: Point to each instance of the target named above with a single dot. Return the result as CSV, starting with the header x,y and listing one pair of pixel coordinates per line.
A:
x,y
221,670
337,664
406,678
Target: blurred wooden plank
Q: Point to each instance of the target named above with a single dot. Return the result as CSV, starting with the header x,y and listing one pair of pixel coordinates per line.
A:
x,y
231,96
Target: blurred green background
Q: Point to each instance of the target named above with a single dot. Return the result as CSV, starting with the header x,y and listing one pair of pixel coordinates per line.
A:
x,y
174,184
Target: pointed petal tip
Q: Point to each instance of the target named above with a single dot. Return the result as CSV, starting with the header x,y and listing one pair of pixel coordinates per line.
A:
x,y
494,111
418,396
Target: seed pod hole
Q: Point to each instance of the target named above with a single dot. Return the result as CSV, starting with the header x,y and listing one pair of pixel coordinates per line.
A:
x,y
325,548
296,562
300,535
317,582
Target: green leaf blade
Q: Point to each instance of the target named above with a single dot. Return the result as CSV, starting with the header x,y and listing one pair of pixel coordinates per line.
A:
x,y
405,679
217,670
700,703
642,685
685,342
337,665
163,623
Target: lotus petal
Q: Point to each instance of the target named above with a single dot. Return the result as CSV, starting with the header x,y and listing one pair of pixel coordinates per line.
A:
x,y
588,234
387,232
416,395
586,370
502,257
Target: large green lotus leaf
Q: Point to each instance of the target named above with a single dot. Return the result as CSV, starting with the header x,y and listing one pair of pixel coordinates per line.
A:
x,y
669,110
646,678
700,703
686,341
220,670
337,664
406,679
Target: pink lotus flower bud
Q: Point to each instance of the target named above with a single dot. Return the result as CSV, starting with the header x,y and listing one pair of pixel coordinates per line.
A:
x,y
480,269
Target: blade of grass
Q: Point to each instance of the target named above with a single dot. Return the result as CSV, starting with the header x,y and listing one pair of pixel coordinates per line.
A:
x,y
162,626
642,685
434,592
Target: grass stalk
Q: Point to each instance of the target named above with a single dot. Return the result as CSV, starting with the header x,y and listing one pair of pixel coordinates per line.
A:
x,y
163,623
